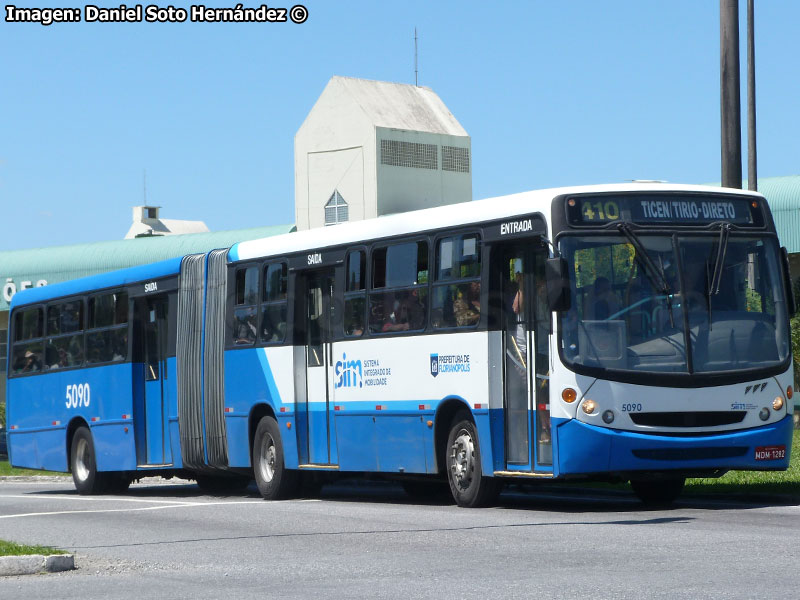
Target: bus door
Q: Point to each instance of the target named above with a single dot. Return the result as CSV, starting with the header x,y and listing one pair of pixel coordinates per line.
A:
x,y
319,318
152,444
526,327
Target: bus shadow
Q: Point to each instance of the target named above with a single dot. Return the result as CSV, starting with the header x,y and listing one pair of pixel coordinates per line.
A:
x,y
563,498
560,498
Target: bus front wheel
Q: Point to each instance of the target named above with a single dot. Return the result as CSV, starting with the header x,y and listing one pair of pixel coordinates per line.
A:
x,y
658,491
469,487
83,465
274,480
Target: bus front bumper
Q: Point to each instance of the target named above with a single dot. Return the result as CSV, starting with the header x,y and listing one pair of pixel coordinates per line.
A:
x,y
587,449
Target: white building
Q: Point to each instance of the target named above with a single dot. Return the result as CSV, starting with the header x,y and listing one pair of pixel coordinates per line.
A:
x,y
146,222
371,148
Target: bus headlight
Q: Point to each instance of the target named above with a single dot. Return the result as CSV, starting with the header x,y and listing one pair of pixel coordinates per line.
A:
x,y
777,404
608,417
588,406
764,414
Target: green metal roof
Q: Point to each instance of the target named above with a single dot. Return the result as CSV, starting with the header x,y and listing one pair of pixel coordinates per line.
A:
x,y
783,195
62,263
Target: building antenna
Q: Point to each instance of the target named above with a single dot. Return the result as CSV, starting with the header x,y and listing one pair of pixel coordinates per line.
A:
x,y
416,71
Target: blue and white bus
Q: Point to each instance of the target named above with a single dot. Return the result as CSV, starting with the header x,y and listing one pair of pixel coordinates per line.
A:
x,y
633,332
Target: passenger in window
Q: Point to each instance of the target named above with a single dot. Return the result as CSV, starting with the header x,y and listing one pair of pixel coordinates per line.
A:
x,y
397,320
273,330
64,360
409,313
604,301
51,356
519,340
355,327
467,307
267,328
120,349
32,363
244,327
415,309
75,351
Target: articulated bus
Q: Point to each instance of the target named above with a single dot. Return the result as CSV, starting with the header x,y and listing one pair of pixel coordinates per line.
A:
x,y
634,332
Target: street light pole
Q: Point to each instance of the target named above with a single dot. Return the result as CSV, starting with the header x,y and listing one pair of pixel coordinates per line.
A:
x,y
730,107
752,170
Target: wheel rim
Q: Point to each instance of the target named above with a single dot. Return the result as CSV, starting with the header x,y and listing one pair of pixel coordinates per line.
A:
x,y
267,459
83,458
462,459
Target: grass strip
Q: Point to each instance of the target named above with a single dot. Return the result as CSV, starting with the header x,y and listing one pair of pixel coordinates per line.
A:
x,y
14,549
7,470
785,483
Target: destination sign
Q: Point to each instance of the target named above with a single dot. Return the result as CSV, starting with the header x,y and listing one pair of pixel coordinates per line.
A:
x,y
663,209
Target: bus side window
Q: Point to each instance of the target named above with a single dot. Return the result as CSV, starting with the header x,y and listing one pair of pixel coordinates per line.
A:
x,y
64,335
398,300
457,284
244,312
107,329
273,309
26,353
355,294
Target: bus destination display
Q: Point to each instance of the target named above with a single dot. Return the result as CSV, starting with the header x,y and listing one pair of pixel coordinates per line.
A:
x,y
674,210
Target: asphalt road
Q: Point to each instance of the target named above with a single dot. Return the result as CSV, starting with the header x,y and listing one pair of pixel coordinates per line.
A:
x,y
370,541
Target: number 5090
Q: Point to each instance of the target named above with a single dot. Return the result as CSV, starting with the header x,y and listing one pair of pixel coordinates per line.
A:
x,y
78,395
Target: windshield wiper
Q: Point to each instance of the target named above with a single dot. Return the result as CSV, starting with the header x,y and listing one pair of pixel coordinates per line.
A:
x,y
712,285
654,273
719,263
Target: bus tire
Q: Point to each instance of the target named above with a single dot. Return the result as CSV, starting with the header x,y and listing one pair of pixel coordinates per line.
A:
x,y
469,487
83,465
274,480
658,491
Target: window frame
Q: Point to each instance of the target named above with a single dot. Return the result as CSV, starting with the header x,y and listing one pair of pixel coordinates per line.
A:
x,y
80,332
14,341
372,291
263,303
362,293
458,234
87,331
236,268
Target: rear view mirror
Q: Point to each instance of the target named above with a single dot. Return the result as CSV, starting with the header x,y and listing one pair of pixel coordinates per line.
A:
x,y
557,273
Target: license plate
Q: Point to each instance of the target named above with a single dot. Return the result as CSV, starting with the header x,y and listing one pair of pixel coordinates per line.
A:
x,y
770,452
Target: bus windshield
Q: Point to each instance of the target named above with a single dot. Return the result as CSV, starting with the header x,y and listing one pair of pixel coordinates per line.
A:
x,y
679,303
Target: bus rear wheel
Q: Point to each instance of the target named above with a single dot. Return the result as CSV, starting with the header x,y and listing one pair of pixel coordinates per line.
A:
x,y
658,491
87,479
274,480
469,487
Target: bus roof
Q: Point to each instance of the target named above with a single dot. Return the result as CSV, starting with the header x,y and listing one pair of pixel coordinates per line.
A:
x,y
478,211
121,277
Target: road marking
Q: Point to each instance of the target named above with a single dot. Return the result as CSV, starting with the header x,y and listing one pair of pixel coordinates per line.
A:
x,y
98,499
166,504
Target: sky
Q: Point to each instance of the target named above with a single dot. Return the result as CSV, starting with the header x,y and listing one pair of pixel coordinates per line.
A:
x,y
551,93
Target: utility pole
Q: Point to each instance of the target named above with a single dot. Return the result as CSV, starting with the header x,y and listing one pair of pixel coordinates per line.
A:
x,y
730,106
416,70
752,157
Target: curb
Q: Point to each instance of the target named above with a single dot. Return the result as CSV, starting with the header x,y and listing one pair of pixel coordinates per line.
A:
x,y
36,563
